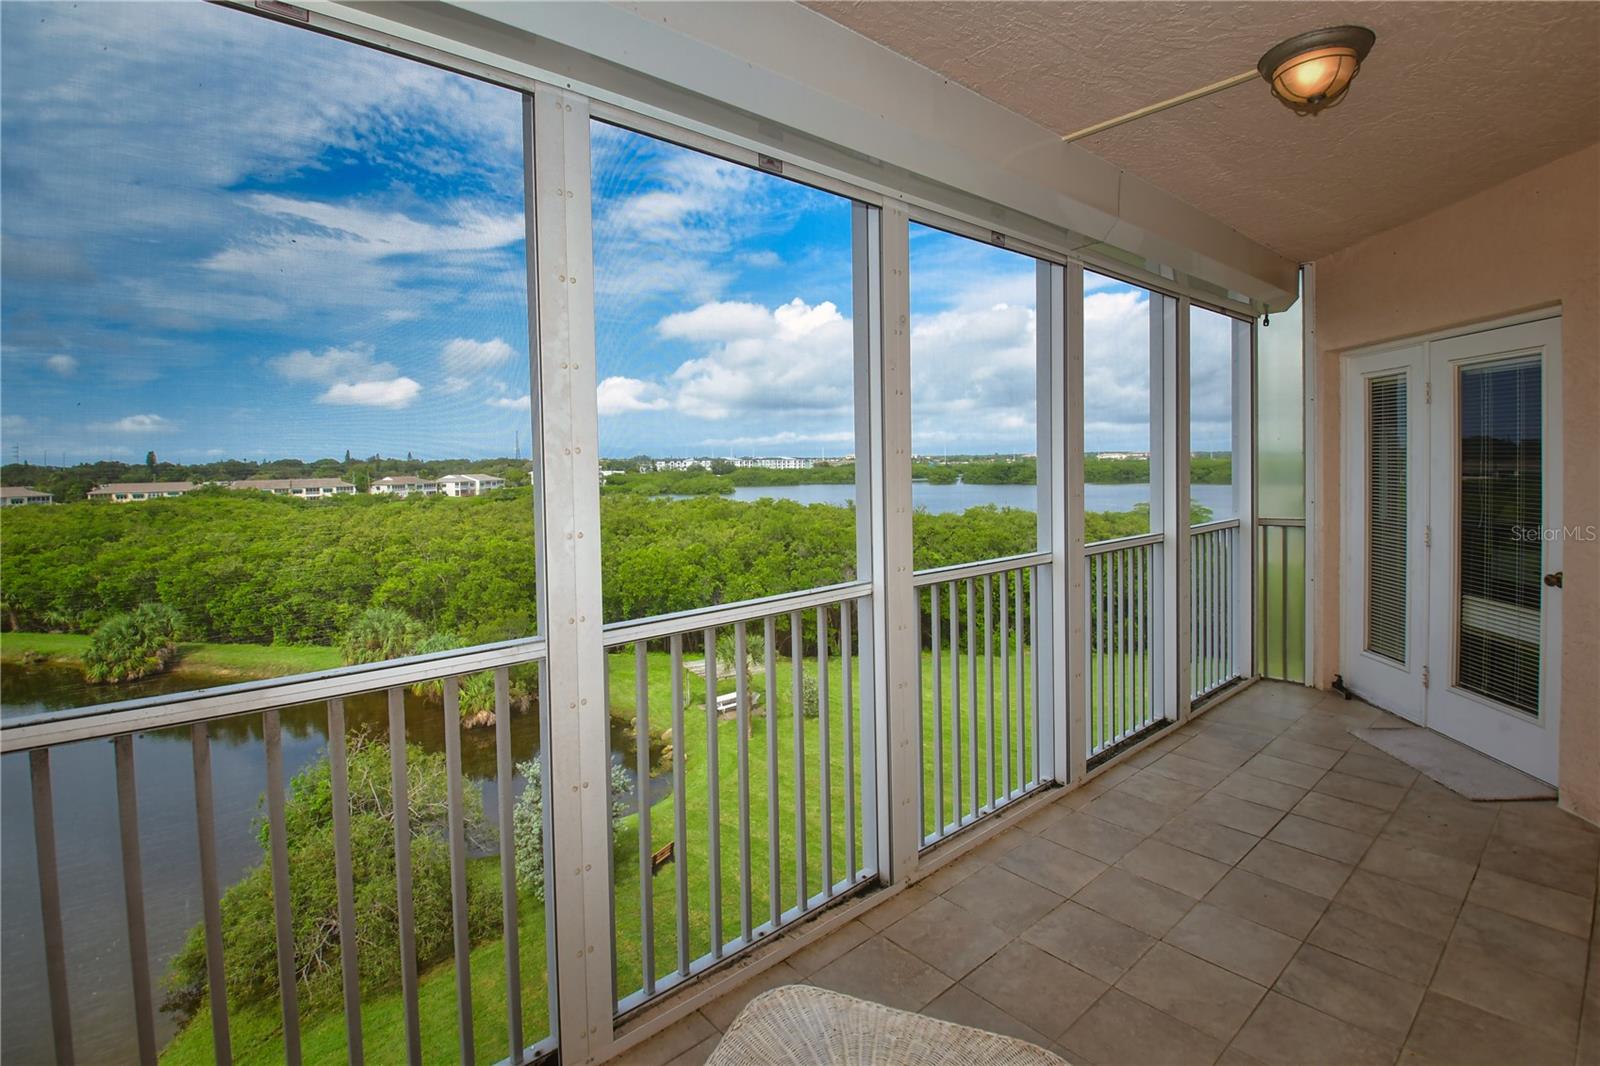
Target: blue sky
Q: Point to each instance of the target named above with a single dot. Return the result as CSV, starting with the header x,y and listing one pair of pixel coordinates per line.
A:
x,y
229,237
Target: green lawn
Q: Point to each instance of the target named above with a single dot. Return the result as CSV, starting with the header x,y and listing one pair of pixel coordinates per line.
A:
x,y
240,660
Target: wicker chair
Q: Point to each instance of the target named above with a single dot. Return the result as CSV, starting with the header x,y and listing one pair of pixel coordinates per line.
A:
x,y
798,1025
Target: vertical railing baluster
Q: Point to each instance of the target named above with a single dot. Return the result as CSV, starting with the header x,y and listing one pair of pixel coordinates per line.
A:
x,y
1005,683
955,705
133,897
458,867
1020,668
988,686
349,964
641,795
714,800
505,782
283,921
847,680
402,869
741,654
1119,612
210,897
1035,709
972,699
797,669
825,752
1103,647
680,827
936,658
769,639
55,956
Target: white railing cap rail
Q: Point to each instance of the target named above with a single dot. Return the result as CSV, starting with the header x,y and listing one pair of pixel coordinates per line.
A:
x,y
1100,547
186,708
958,571
666,625
1219,523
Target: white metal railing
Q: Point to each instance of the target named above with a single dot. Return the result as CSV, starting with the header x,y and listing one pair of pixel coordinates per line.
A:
x,y
1280,608
800,789
1214,609
201,716
978,620
1122,639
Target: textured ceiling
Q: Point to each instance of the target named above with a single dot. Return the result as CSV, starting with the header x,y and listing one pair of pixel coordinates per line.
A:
x,y
1454,98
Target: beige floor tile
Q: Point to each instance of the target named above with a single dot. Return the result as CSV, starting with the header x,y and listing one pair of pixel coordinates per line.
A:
x,y
964,1007
1129,811
883,972
817,954
949,938
1162,790
1441,830
1562,911
1351,992
697,1055
951,873
1378,943
1300,869
1448,1032
1344,813
1552,867
1284,771
896,907
1320,838
1267,902
1415,908
1285,1031
1183,871
1144,905
1189,770
1376,767
1119,1030
1049,865
1245,785
1192,990
1360,790
1254,818
1289,748
1523,943
723,1011
1487,981
1092,837
1035,987
675,1040
1234,943
1100,946
1215,751
1003,898
1208,838
1436,873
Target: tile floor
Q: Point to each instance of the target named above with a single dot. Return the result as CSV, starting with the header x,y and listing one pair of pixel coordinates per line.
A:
x,y
1258,887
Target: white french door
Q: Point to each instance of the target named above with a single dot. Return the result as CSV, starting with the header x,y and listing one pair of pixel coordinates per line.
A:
x,y
1452,551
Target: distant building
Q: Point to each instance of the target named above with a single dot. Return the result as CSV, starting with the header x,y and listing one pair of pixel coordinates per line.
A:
x,y
1122,455
404,485
131,492
306,488
683,464
469,484
775,462
18,496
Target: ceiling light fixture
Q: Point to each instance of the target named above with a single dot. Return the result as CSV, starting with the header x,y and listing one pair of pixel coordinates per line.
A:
x,y
1308,73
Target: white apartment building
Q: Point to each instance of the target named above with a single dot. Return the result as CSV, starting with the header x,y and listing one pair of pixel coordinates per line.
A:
x,y
308,488
404,485
470,484
134,491
775,462
19,496
683,464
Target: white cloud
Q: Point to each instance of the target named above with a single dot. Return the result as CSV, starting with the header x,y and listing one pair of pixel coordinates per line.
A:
x,y
65,365
796,358
512,403
621,395
137,424
1116,369
396,393
463,357
351,363
781,439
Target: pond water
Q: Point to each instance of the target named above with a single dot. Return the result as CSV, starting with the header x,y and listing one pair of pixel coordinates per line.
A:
x,y
947,499
89,849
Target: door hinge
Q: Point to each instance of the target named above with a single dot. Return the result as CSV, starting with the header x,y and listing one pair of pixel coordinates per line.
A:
x,y
1424,677
1427,536
1427,392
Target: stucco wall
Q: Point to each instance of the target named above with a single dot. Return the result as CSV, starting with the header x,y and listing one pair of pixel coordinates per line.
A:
x,y
1530,242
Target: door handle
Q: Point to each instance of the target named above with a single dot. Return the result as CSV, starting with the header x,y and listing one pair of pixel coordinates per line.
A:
x,y
1553,580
